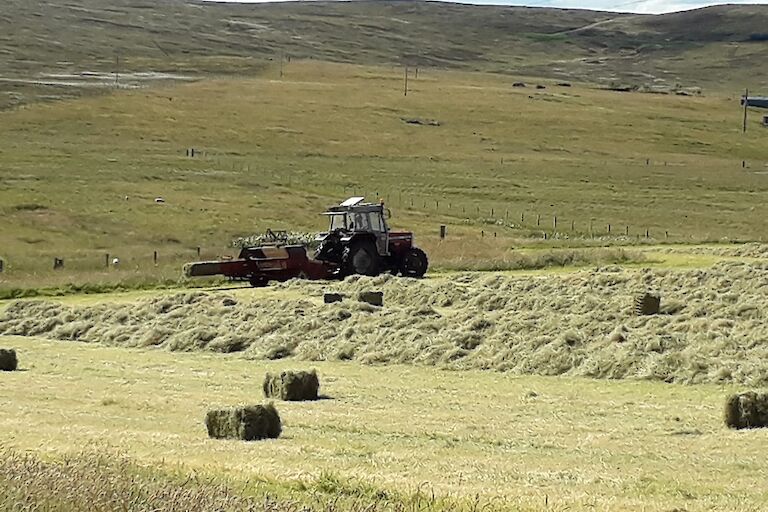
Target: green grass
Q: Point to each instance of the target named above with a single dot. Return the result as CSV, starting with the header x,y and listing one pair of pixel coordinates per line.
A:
x,y
279,152
578,444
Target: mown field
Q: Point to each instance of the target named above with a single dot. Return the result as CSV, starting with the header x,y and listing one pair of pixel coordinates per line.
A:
x,y
384,433
505,167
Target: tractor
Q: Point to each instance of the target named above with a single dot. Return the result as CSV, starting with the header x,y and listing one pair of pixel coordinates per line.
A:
x,y
358,241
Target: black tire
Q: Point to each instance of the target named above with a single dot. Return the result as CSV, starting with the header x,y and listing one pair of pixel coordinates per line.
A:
x,y
414,263
362,258
258,282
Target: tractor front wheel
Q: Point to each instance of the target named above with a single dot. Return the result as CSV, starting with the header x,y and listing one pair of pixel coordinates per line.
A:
x,y
361,258
414,263
258,282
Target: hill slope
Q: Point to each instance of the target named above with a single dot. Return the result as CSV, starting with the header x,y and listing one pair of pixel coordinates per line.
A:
x,y
712,47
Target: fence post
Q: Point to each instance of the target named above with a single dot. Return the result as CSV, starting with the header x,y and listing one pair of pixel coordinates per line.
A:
x,y
154,257
538,219
554,222
442,232
609,229
627,230
198,252
573,225
106,260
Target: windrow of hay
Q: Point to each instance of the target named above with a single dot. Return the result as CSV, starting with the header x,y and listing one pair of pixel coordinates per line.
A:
x,y
711,327
245,423
292,386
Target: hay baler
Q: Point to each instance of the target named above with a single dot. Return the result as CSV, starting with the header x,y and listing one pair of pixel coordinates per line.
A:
x,y
358,241
260,265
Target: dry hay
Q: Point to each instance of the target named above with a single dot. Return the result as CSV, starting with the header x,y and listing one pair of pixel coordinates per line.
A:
x,y
747,410
292,386
245,423
748,250
712,325
8,360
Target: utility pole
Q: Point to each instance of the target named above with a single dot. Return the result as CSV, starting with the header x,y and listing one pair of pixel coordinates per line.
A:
x,y
746,98
405,90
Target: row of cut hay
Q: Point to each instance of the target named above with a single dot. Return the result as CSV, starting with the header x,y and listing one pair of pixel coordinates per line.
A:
x,y
709,327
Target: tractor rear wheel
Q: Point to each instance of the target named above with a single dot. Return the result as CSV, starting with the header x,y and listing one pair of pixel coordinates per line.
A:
x,y
361,258
414,263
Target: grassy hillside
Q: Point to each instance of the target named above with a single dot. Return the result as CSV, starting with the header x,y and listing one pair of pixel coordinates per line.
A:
x,y
78,178
51,43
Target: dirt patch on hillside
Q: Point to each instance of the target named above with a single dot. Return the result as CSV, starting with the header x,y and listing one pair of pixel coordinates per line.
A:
x,y
711,327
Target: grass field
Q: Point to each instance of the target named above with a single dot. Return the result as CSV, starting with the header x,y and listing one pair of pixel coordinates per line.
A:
x,y
79,178
570,443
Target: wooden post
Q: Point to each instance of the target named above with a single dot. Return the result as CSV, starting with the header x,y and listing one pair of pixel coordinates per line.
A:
x,y
522,218
198,252
154,257
492,214
573,225
746,98
626,230
609,229
106,260
405,87
442,232
538,219
647,233
554,222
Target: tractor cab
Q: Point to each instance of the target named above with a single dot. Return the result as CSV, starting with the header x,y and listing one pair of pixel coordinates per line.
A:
x,y
359,241
353,218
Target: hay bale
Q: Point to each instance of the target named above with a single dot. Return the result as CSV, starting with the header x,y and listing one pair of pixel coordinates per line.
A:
x,y
746,410
647,304
245,423
292,386
8,360
372,298
330,298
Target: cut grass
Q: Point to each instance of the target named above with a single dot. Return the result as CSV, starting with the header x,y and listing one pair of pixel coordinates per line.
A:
x,y
582,444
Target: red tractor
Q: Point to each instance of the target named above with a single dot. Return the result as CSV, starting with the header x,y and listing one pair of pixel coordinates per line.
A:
x,y
358,241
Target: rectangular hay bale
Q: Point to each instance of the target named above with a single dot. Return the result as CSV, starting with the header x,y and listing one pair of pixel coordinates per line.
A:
x,y
8,360
372,298
647,304
292,385
746,410
249,423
